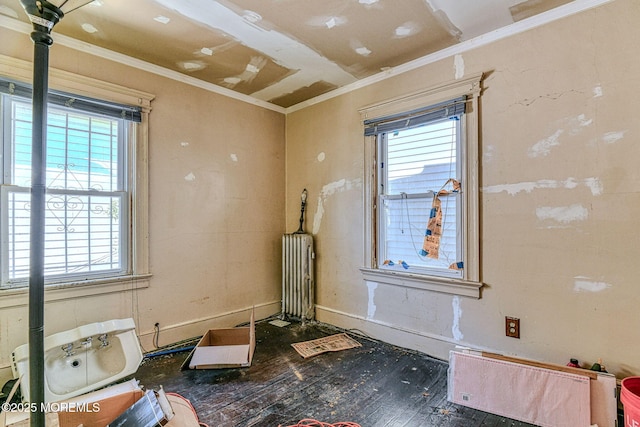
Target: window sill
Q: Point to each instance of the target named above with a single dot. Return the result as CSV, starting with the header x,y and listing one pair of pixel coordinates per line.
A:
x,y
65,291
428,283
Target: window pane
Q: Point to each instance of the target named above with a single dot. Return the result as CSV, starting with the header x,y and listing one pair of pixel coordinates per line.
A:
x,y
83,151
86,213
421,159
405,229
18,237
21,149
418,163
82,234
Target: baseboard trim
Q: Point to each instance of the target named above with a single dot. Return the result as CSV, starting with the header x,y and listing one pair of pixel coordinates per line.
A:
x,y
194,328
434,345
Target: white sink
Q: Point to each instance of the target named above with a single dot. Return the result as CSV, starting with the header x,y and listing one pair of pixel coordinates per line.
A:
x,y
83,359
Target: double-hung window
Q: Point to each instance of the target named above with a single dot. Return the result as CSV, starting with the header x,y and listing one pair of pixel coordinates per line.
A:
x,y
90,205
422,189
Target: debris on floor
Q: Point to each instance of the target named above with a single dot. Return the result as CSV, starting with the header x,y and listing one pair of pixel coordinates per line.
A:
x,y
336,342
280,323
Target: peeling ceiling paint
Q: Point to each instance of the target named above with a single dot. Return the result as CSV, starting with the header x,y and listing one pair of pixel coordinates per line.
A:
x,y
285,52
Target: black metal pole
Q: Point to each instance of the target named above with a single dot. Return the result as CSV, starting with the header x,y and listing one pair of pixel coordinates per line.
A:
x,y
42,40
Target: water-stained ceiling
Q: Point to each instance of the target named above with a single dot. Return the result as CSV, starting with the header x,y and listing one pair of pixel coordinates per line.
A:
x,y
284,51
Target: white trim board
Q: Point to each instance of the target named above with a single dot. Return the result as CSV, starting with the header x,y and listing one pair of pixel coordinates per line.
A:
x,y
560,12
435,345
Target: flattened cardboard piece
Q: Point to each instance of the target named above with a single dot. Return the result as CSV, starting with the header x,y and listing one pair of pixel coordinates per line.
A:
x,y
224,348
337,342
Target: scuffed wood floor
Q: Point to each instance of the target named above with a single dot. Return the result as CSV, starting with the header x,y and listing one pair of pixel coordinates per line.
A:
x,y
374,385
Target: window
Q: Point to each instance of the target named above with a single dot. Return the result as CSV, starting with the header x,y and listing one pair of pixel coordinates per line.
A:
x,y
422,221
416,164
94,198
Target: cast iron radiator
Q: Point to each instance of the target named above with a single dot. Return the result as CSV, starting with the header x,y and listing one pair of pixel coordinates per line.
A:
x,y
297,276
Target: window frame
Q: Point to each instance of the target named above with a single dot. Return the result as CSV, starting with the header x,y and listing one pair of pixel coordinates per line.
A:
x,y
137,176
469,284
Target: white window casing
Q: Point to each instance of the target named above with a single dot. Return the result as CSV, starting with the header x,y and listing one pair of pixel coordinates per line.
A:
x,y
136,175
468,283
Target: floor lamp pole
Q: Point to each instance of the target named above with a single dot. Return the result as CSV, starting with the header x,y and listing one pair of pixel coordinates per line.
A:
x,y
42,41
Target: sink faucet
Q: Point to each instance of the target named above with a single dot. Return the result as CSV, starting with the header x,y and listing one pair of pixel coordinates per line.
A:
x,y
68,349
104,340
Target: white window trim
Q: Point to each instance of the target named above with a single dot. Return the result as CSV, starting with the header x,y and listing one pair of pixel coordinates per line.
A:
x,y
64,81
470,284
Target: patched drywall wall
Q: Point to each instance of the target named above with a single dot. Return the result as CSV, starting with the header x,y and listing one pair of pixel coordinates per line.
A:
x,y
216,197
560,199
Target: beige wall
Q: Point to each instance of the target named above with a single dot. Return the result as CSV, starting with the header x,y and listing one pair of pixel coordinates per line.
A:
x,y
216,213
560,199
559,203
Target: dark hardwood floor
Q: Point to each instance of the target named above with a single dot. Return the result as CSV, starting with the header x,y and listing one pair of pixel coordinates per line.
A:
x,y
374,385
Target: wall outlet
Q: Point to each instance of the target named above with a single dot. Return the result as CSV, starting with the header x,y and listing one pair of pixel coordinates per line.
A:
x,y
512,325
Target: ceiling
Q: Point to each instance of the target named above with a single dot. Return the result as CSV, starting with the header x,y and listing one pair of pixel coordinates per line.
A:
x,y
285,51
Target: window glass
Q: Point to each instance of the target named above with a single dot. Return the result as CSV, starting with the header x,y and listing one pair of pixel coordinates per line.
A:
x,y
415,166
86,213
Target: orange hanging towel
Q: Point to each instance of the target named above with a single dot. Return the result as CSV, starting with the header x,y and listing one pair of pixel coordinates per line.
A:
x,y
431,244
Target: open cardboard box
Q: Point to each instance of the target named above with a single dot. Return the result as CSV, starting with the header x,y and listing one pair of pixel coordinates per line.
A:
x,y
224,348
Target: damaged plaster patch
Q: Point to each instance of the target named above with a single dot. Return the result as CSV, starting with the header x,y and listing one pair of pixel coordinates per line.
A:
x,y
233,157
573,125
597,91
543,147
191,177
321,157
407,29
329,190
563,214
457,314
487,154
577,123
593,184
458,66
184,144
89,28
586,284
371,307
613,137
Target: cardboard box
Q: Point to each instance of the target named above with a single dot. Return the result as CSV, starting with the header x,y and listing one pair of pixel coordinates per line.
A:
x,y
100,408
224,348
95,409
